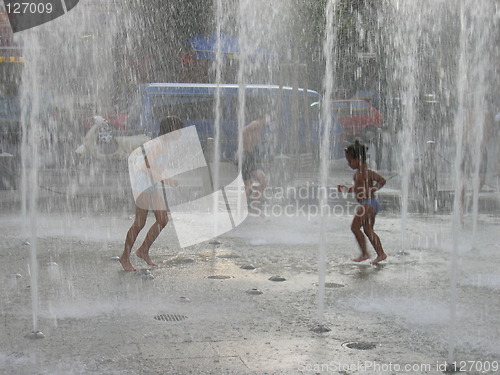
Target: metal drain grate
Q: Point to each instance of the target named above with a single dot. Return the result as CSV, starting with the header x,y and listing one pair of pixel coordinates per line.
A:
x,y
170,317
360,345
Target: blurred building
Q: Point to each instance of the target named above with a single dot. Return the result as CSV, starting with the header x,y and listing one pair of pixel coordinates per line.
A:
x,y
11,58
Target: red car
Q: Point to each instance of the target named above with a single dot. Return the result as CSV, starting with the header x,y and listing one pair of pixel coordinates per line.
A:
x,y
358,117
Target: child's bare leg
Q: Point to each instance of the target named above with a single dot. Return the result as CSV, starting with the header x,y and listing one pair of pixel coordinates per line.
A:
x,y
257,194
261,178
248,187
374,239
360,237
133,232
160,223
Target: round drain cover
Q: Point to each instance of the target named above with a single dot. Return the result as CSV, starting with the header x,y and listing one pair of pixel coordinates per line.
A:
x,y
219,277
170,317
247,267
320,328
277,278
35,335
360,345
331,285
254,292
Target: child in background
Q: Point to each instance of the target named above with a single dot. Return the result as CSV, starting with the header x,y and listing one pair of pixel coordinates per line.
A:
x,y
366,183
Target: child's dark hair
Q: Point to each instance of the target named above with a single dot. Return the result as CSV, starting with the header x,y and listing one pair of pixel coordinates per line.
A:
x,y
170,124
356,150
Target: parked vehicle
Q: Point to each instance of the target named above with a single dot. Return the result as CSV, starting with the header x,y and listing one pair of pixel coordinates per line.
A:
x,y
295,113
358,117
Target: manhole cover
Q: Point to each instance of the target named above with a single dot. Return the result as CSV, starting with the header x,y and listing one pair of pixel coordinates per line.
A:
x,y
277,278
247,267
332,285
35,335
360,345
254,292
320,328
170,317
219,277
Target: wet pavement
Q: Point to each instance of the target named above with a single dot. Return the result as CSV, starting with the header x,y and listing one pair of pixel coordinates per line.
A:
x,y
247,304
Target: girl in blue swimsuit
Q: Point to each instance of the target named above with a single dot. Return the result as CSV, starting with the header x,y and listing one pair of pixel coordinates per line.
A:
x,y
366,183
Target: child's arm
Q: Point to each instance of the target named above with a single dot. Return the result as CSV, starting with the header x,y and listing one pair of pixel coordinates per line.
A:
x,y
345,189
379,182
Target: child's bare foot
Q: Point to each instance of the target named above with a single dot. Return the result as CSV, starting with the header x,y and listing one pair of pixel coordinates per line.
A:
x,y
379,258
127,266
146,258
361,258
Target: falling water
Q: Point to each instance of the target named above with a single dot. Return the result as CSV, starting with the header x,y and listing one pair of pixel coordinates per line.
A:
x,y
482,30
474,61
329,84
457,202
256,26
30,162
437,47
219,23
56,57
405,43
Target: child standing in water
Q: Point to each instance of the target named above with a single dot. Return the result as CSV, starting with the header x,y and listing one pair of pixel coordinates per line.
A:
x,y
366,183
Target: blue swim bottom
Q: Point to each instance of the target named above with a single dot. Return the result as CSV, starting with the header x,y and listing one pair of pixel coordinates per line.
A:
x,y
373,203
